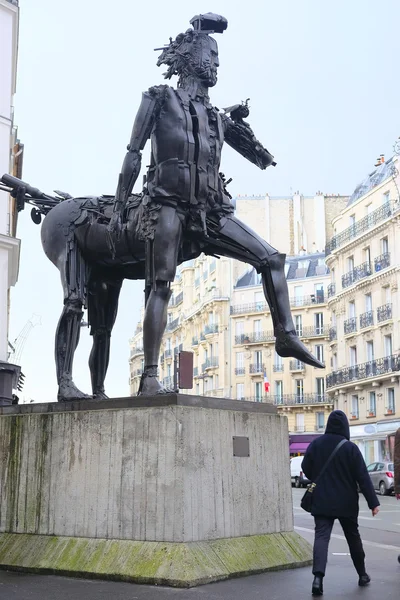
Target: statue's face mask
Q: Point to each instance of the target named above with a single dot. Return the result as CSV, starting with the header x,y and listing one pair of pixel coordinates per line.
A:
x,y
203,59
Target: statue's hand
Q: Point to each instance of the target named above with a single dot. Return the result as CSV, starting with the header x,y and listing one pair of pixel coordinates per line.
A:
x,y
115,225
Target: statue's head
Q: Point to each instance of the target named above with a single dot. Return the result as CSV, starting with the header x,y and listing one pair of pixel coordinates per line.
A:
x,y
195,53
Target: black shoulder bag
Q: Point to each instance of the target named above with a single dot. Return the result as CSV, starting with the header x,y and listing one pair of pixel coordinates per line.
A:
x,y
306,501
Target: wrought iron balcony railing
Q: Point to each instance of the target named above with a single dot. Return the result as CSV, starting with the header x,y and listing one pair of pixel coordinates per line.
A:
x,y
257,368
332,334
291,399
209,329
384,312
136,350
331,290
252,307
278,368
372,368
350,326
367,319
213,361
364,224
314,331
318,298
296,365
240,370
172,325
178,299
255,338
356,274
382,261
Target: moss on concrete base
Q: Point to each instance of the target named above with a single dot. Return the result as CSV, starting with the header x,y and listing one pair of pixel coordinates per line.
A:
x,y
161,563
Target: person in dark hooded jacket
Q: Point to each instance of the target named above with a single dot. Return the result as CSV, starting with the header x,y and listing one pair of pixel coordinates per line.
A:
x,y
336,495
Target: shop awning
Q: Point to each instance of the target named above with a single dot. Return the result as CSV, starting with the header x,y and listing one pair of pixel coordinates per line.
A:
x,y
298,447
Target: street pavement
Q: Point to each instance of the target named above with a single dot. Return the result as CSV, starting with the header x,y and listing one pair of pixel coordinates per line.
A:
x,y
381,537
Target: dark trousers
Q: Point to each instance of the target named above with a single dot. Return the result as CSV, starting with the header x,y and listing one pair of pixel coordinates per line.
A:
x,y
323,530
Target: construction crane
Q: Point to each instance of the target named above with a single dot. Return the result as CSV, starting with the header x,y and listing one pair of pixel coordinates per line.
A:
x,y
17,347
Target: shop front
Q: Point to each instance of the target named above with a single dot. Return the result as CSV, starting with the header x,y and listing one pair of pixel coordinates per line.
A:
x,y
298,444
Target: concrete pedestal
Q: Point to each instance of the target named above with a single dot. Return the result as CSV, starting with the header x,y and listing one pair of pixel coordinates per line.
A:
x,y
175,489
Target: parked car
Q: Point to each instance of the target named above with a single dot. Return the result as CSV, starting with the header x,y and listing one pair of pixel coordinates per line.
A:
x,y
382,476
296,474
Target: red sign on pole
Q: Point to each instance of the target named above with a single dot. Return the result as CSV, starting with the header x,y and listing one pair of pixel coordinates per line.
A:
x,y
185,370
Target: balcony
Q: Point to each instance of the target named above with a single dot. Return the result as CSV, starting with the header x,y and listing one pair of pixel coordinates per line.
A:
x,y
256,368
331,290
253,307
293,399
354,416
296,365
372,368
278,368
314,331
356,274
172,325
195,341
318,298
255,399
255,338
202,336
178,299
382,262
361,226
332,334
367,319
212,295
210,329
350,326
371,413
178,349
136,350
384,312
136,372
210,363
240,371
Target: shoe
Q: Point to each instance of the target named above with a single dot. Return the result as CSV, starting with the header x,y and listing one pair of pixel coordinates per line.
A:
x,y
288,344
317,587
364,580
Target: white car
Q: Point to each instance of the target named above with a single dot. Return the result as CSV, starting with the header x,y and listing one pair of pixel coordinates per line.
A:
x,y
296,474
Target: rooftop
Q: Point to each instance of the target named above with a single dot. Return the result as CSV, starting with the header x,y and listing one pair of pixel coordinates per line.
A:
x,y
384,171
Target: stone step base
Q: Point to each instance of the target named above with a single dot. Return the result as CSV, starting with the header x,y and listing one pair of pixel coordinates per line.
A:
x,y
160,563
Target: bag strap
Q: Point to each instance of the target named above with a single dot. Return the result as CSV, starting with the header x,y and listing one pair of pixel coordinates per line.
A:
x,y
340,444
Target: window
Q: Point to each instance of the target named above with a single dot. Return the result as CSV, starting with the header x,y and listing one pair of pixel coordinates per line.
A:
x,y
169,372
372,404
320,388
240,391
371,468
320,421
319,322
239,360
298,295
352,310
197,389
354,407
211,318
353,355
367,254
258,360
279,391
386,198
300,422
259,300
352,220
368,302
391,408
258,391
299,390
318,293
298,320
168,344
350,263
257,326
319,352
239,328
334,361
386,294
216,382
370,351
387,345
384,245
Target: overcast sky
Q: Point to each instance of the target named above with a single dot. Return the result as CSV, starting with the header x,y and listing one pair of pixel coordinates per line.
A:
x,y
323,79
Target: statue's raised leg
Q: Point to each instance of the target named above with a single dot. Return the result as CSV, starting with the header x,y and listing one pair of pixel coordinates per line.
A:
x,y
233,238
103,306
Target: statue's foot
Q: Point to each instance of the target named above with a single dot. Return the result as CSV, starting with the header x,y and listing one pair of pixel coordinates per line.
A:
x,y
100,395
289,344
67,392
150,386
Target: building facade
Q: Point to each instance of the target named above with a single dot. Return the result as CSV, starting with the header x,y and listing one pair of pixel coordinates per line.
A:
x,y
364,257
10,162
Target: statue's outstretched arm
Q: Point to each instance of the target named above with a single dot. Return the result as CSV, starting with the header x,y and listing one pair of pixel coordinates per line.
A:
x,y
241,138
141,132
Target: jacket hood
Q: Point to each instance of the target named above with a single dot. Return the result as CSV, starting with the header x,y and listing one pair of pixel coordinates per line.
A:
x,y
338,424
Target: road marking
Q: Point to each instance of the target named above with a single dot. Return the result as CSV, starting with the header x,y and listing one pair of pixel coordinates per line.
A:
x,y
341,554
370,518
365,542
